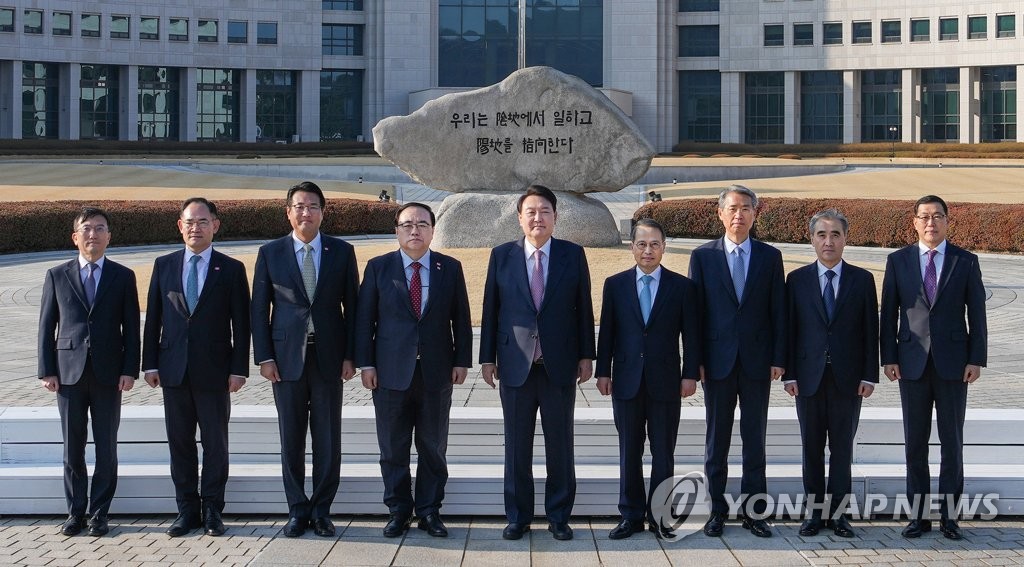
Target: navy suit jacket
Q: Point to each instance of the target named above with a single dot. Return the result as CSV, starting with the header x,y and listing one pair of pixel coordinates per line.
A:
x,y
211,343
511,324
628,349
279,333
68,328
391,337
850,339
953,330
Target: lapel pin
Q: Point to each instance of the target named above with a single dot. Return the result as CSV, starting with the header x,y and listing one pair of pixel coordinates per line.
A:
x,y
216,268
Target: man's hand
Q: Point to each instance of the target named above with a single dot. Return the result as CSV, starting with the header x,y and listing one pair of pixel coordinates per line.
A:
x,y
126,383
348,370
369,377
235,383
604,385
584,370
792,389
777,372
459,374
51,383
892,371
490,373
971,373
152,378
688,388
268,370
865,390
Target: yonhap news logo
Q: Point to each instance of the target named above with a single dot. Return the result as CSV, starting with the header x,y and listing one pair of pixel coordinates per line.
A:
x,y
680,505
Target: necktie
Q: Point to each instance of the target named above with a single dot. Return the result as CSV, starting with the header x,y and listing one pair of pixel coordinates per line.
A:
x,y
416,289
930,279
537,291
739,273
192,284
645,297
309,280
90,284
829,295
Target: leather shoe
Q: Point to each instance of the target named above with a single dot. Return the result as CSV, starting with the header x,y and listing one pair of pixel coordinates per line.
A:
x,y
660,532
295,527
715,524
810,527
432,524
950,529
183,524
841,527
515,531
73,525
98,526
212,523
560,530
397,524
323,527
917,527
627,528
760,528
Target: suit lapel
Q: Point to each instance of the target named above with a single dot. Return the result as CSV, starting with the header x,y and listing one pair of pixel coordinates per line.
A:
x,y
174,283
664,288
396,273
292,265
556,268
845,283
722,262
212,273
754,268
811,286
72,272
436,275
517,260
912,260
948,265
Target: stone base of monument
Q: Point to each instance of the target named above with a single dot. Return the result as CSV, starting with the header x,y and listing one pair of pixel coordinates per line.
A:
x,y
486,219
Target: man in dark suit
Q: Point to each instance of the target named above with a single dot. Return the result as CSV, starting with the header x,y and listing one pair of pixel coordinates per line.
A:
x,y
537,337
89,355
833,363
414,340
196,347
933,340
645,313
304,295
742,287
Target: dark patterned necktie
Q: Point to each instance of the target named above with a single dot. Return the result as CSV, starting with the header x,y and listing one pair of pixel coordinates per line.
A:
x,y
416,289
829,295
930,279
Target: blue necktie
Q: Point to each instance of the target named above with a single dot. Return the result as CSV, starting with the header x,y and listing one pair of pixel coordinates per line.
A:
x,y
90,284
829,295
645,297
192,284
739,273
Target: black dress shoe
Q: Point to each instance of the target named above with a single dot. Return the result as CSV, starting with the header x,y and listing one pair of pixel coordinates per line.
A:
x,y
810,527
183,524
560,530
627,528
515,531
397,524
842,528
98,526
760,528
715,524
917,527
213,525
323,527
73,525
432,524
950,529
660,532
295,527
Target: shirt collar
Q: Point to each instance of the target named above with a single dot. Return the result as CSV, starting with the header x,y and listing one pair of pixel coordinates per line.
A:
x,y
530,248
731,246
205,254
838,268
656,274
82,262
407,261
923,249
298,244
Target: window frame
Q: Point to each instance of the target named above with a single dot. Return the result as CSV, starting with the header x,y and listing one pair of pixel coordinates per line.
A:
x,y
914,37
260,39
955,20
861,24
34,30
201,38
236,39
797,41
889,38
149,36
1013,28
971,34
55,17
780,41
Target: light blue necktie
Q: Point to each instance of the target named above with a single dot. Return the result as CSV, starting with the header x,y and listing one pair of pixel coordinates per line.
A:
x,y
829,295
645,297
192,285
739,273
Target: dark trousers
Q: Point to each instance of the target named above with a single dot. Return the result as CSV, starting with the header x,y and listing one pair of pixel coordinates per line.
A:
x,y
949,398
720,398
313,403
75,402
832,416
519,407
185,408
400,414
637,418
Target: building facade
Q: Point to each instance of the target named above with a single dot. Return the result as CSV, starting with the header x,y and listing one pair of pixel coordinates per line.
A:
x,y
754,71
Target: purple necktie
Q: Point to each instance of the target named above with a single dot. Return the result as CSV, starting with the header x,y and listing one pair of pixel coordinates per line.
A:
x,y
930,280
537,290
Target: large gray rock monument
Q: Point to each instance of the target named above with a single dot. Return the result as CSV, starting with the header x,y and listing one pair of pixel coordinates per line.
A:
x,y
538,126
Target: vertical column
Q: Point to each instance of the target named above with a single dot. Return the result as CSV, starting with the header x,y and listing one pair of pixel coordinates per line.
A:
x,y
188,104
247,117
70,119
10,99
970,101
851,107
791,108
308,107
733,115
910,105
129,119
1020,105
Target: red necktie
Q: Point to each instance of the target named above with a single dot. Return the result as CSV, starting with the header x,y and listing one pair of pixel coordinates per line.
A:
x,y
416,289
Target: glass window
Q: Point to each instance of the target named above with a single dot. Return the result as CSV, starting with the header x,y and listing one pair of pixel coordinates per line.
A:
x,y
266,33
698,5
880,104
698,41
119,27
99,108
999,104
861,32
567,35
821,107
275,105
977,27
40,100
217,104
177,29
774,35
159,96
62,23
34,21
803,34
238,32
208,31
919,30
471,54
90,25
149,27
891,31
1006,25
6,19
342,39
949,29
832,33
343,5
764,108
341,104
700,106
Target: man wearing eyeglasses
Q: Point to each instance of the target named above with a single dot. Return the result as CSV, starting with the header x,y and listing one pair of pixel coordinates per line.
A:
x,y
196,348
414,341
933,340
648,312
304,296
88,356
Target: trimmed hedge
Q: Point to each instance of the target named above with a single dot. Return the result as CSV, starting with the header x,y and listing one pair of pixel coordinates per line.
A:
x,y
873,222
1000,150
32,226
243,150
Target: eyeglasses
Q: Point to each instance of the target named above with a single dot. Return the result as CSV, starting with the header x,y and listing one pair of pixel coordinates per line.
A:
x,y
653,245
203,224
937,217
312,209
99,229
408,226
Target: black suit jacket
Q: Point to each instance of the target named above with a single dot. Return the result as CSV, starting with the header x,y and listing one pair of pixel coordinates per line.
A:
x,y
211,343
390,336
68,328
628,349
850,339
755,323
511,324
953,330
279,332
